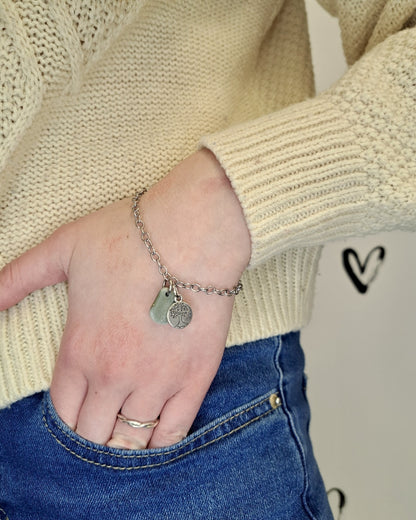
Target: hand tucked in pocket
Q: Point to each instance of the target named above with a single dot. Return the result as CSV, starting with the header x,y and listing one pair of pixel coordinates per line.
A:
x,y
113,358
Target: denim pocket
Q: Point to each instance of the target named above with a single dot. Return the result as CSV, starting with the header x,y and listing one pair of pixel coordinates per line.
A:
x,y
247,456
215,431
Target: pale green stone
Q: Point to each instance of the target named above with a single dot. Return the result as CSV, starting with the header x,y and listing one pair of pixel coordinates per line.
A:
x,y
160,307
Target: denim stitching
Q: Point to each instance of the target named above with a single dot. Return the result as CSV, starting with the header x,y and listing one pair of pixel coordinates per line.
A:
x,y
3,511
105,452
294,432
108,466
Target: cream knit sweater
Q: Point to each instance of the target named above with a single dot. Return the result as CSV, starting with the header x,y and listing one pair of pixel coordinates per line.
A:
x,y
98,98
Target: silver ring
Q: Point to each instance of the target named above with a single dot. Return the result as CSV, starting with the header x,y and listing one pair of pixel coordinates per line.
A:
x,y
137,424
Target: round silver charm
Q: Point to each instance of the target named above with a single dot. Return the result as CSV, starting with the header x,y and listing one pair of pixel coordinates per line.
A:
x,y
179,315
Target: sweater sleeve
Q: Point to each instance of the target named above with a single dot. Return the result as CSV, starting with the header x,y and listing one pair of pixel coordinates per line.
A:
x,y
338,165
366,24
45,48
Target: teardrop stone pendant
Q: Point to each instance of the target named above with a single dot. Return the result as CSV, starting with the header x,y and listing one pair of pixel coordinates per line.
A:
x,y
163,301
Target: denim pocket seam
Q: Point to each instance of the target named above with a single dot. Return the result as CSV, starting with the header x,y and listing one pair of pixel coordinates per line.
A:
x,y
104,452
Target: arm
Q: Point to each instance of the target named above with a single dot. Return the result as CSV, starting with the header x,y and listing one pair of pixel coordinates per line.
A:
x,y
341,164
365,25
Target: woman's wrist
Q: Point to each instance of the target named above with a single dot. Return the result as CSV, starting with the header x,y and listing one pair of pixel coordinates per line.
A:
x,y
197,224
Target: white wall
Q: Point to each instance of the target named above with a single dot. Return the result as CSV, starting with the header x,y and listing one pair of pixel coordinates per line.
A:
x,y
360,352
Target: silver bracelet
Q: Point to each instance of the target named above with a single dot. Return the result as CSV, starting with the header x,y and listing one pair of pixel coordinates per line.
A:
x,y
168,306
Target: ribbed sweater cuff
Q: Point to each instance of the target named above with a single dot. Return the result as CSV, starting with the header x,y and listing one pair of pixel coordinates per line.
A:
x,y
30,334
298,174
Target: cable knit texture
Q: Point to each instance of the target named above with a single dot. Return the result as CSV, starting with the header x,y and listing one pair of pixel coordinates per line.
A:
x,y
100,97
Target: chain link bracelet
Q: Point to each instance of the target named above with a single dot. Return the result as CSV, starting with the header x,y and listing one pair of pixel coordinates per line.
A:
x,y
168,306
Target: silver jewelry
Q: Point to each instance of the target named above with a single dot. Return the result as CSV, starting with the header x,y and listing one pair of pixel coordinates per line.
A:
x,y
137,424
168,306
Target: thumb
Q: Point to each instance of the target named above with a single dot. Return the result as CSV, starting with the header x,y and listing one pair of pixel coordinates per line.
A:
x,y
45,264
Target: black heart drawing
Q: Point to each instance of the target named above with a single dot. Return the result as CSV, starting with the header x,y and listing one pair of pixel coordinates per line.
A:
x,y
362,274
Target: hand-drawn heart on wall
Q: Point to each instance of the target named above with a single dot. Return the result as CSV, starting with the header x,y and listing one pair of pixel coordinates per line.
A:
x,y
363,273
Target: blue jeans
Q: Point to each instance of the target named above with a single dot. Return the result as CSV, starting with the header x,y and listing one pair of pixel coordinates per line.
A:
x,y
248,455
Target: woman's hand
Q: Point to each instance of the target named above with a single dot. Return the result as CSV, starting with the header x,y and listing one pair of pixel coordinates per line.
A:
x,y
113,356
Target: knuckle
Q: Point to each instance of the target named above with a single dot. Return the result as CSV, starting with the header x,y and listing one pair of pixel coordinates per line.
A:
x,y
11,275
63,231
106,357
109,373
169,436
62,240
111,369
72,346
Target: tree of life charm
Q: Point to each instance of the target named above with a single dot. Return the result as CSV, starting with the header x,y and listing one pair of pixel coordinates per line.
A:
x,y
179,314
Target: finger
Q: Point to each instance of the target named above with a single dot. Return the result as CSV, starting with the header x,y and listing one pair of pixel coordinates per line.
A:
x,y
68,391
176,419
138,409
34,269
98,414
